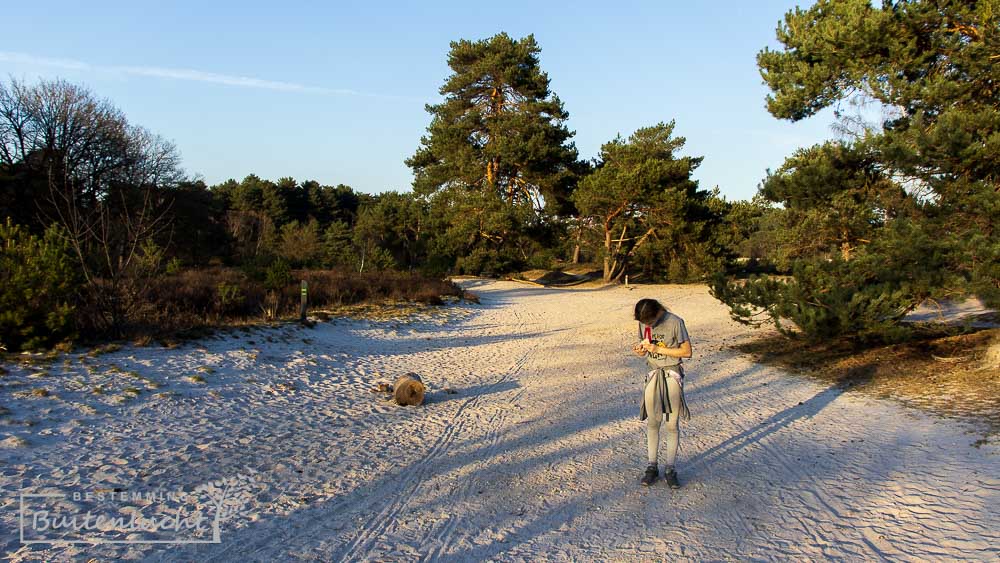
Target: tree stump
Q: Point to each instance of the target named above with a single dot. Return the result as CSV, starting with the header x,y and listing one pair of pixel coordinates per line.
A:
x,y
409,390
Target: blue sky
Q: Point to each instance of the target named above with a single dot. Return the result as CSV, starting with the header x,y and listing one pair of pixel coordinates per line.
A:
x,y
335,91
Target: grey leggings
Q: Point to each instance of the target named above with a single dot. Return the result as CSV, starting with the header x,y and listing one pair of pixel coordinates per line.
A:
x,y
655,418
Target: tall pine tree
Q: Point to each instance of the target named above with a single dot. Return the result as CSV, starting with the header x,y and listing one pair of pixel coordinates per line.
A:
x,y
497,151
911,208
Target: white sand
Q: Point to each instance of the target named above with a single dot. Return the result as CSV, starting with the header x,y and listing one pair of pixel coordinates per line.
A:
x,y
970,311
537,457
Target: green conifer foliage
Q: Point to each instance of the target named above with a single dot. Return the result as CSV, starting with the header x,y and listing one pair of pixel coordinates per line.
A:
x,y
38,285
641,195
907,210
497,154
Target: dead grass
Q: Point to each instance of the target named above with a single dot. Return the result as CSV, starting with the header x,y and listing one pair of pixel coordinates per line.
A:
x,y
949,376
375,311
103,349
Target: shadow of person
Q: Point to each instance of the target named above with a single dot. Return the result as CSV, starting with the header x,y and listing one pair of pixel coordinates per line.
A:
x,y
802,410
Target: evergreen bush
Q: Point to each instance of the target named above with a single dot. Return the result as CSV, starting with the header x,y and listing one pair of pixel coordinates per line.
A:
x,y
38,288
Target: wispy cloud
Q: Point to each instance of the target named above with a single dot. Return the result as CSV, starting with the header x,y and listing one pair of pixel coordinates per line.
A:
x,y
190,75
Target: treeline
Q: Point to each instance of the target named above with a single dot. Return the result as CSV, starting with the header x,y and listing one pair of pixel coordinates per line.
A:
x,y
505,198
103,236
843,240
103,227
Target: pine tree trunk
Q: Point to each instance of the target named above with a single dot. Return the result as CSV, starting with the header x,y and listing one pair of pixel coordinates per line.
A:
x,y
607,254
617,277
576,247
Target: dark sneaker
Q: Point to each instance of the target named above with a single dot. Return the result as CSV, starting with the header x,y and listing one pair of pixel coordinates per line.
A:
x,y
650,476
671,478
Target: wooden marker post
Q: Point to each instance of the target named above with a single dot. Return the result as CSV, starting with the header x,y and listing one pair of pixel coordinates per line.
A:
x,y
305,299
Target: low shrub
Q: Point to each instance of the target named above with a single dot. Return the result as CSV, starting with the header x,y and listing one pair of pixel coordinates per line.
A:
x,y
328,288
859,300
38,287
193,299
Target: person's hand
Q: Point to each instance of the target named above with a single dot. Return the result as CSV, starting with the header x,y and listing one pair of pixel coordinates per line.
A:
x,y
639,350
647,346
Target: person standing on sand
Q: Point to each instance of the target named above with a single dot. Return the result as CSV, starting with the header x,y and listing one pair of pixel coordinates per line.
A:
x,y
664,343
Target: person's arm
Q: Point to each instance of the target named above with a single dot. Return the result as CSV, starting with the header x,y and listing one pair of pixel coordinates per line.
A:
x,y
682,351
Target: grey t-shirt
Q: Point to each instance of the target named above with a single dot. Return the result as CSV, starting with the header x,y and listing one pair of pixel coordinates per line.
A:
x,y
671,332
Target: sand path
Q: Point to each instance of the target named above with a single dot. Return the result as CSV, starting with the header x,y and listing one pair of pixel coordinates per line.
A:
x,y
536,457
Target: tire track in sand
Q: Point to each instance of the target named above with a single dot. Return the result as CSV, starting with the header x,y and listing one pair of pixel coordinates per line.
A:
x,y
403,490
444,538
383,504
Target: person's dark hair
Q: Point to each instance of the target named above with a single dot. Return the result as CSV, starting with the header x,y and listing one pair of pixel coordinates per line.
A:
x,y
648,310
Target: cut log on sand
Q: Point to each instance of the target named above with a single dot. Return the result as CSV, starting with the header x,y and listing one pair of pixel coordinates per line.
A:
x,y
409,390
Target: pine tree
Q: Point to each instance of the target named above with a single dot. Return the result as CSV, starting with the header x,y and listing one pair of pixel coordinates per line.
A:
x,y
911,208
641,193
497,148
38,287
